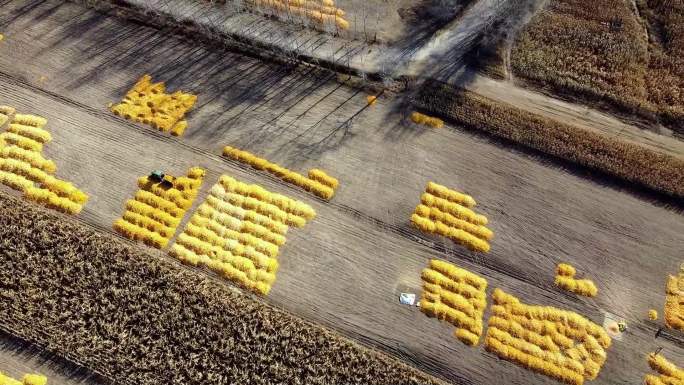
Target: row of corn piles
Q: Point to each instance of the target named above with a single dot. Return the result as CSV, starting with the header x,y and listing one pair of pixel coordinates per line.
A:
x,y
674,301
318,182
322,12
668,373
426,120
238,231
28,379
23,167
148,103
457,296
155,212
565,279
448,213
557,343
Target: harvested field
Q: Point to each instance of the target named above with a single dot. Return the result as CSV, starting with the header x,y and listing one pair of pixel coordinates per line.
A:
x,y
660,172
601,51
343,270
79,293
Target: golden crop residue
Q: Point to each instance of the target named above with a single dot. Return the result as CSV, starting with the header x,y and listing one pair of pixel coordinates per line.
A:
x,y
149,103
557,343
23,167
28,379
318,182
674,300
457,296
448,213
321,12
158,207
238,231
565,279
426,120
668,373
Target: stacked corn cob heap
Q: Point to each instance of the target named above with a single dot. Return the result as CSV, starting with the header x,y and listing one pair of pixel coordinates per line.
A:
x,y
28,379
22,165
557,343
565,279
426,120
238,231
319,183
318,11
668,373
674,301
149,103
154,214
448,213
457,296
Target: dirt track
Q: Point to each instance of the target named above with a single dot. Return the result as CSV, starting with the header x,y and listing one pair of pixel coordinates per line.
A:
x,y
343,268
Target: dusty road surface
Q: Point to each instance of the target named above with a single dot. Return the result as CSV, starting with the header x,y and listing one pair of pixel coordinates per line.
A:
x,y
342,270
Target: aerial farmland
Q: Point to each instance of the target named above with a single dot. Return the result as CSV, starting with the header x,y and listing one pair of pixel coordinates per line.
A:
x,y
341,192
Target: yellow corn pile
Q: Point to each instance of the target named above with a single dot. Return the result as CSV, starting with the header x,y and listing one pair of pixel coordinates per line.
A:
x,y
653,314
457,296
318,182
238,231
668,373
23,167
28,379
371,100
448,213
320,12
674,311
557,343
155,212
425,120
148,103
565,279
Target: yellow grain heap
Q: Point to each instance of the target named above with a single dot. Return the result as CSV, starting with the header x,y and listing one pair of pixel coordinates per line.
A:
x,y
319,183
155,212
321,12
557,343
149,103
456,296
448,213
653,315
371,100
238,231
674,300
565,279
28,379
23,167
425,120
668,373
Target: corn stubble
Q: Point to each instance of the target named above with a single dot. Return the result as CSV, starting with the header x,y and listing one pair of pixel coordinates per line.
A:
x,y
656,171
139,319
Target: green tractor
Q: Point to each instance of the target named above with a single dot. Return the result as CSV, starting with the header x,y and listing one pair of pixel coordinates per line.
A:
x,y
157,176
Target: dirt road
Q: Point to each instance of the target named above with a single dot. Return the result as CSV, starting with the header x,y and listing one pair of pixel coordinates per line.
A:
x,y
65,63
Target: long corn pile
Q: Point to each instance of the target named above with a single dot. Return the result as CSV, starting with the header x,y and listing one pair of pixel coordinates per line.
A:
x,y
565,279
155,212
456,296
320,12
318,182
148,103
136,317
448,213
557,343
23,167
631,162
668,373
674,301
425,120
28,379
238,231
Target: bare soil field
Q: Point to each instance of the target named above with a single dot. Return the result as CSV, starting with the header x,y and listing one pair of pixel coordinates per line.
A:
x,y
66,63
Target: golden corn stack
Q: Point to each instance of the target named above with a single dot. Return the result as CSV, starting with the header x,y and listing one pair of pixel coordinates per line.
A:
x,y
674,311
668,373
557,343
457,296
23,167
418,118
319,12
238,231
28,379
